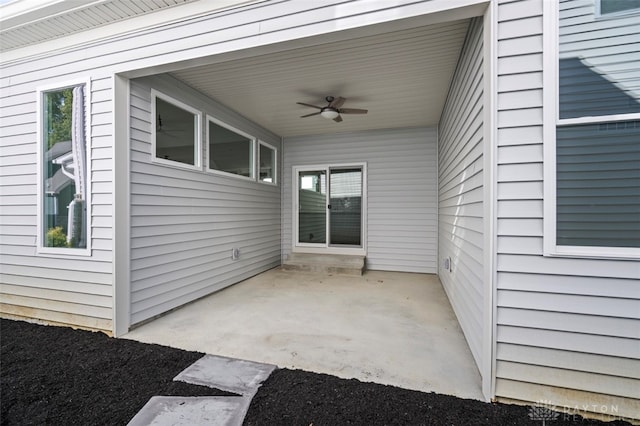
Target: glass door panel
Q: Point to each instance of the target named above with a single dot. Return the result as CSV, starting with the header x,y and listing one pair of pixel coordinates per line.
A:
x,y
345,206
312,206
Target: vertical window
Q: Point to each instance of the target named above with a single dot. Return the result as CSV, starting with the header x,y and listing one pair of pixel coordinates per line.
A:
x,y
230,150
176,138
597,139
64,201
267,161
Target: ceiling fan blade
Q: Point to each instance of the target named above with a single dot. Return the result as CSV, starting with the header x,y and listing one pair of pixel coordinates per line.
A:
x,y
337,102
309,115
338,119
309,105
353,111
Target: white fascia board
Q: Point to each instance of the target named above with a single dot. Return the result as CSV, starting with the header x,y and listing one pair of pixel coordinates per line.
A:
x,y
369,21
427,12
149,20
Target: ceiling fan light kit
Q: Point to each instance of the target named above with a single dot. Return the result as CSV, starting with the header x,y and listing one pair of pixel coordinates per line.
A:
x,y
332,111
329,113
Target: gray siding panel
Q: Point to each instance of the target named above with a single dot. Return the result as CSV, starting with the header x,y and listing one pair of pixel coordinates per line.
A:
x,y
460,191
401,178
567,329
184,223
72,290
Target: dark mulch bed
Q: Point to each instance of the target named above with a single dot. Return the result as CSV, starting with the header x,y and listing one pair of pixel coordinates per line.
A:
x,y
293,397
56,375
61,376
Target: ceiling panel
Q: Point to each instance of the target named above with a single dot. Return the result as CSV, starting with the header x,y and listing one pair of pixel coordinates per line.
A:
x,y
401,77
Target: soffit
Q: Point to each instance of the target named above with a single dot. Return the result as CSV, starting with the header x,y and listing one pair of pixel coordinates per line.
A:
x,y
58,19
401,77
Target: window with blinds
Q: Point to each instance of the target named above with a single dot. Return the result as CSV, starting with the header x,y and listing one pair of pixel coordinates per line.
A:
x,y
598,129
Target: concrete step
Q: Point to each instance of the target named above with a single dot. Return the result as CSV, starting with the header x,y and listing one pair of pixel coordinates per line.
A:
x,y
325,263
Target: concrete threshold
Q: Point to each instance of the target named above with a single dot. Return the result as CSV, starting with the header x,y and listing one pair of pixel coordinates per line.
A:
x,y
325,263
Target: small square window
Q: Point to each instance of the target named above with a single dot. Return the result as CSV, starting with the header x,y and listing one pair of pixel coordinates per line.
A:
x,y
230,150
177,132
267,161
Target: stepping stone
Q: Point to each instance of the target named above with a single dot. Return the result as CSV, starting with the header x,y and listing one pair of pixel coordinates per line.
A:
x,y
201,410
233,375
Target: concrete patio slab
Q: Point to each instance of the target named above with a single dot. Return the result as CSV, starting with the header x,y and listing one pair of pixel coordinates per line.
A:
x,y
385,327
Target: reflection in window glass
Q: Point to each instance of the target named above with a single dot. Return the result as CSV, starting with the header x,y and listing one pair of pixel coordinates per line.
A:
x,y
613,6
176,133
598,184
599,70
312,200
267,163
230,151
64,169
598,149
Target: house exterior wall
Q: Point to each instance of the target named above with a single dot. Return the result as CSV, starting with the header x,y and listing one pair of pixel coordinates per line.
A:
x,y
74,290
401,192
567,328
83,290
185,223
461,193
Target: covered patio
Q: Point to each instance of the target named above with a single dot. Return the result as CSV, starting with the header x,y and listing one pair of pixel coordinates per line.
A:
x,y
385,327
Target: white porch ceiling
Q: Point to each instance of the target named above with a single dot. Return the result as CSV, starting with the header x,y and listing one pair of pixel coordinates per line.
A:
x,y
401,77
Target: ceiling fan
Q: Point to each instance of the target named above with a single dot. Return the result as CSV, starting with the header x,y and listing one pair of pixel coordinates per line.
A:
x,y
333,110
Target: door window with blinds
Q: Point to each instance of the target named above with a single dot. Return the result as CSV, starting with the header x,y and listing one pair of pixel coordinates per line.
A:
x,y
597,147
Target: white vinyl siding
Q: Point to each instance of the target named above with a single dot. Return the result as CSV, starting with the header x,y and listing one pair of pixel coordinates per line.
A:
x,y
461,193
65,289
401,193
185,223
567,329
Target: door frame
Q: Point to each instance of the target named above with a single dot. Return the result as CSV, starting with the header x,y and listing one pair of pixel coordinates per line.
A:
x,y
325,248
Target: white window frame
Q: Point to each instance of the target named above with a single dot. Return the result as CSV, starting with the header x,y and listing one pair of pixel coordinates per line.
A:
x,y
550,122
275,163
40,92
197,154
600,15
252,165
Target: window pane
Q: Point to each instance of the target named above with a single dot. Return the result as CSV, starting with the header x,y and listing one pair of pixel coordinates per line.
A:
x,y
267,164
599,69
175,133
613,6
312,209
64,169
345,216
598,184
230,152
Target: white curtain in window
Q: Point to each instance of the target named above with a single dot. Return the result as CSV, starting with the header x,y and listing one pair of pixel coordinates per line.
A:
x,y
78,142
77,221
